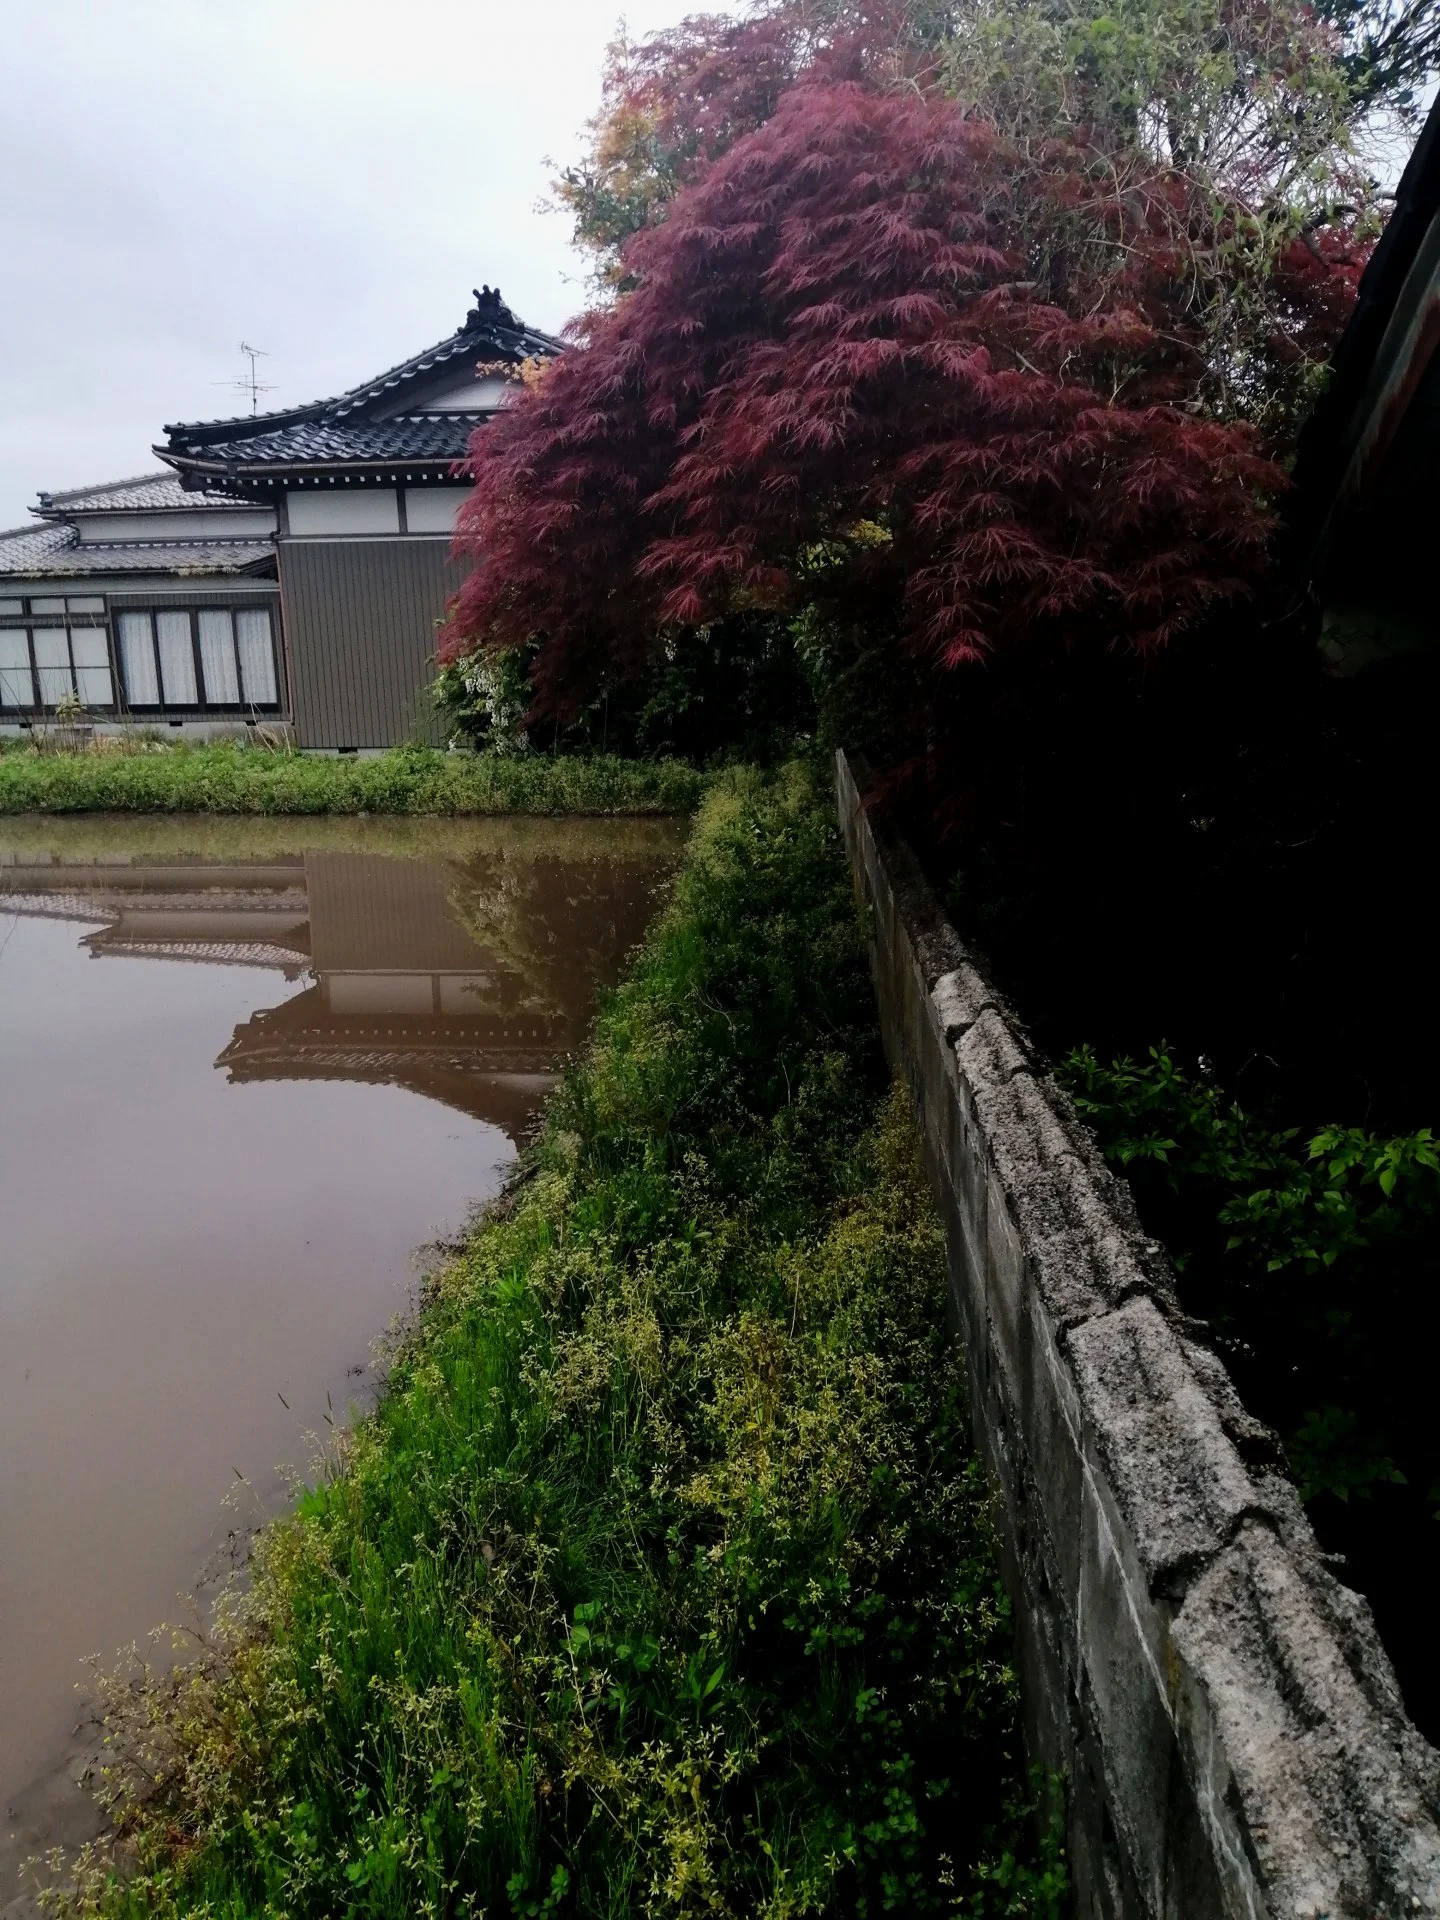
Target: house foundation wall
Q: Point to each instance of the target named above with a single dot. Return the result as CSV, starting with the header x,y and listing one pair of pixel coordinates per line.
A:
x,y
1227,1724
194,732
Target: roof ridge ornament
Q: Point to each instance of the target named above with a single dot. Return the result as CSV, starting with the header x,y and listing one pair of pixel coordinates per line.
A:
x,y
489,309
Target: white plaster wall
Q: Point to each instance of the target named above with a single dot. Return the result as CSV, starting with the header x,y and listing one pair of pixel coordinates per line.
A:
x,y
471,395
433,509
326,510
245,523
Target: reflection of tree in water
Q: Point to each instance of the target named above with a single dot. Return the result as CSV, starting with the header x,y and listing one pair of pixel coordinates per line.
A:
x,y
555,928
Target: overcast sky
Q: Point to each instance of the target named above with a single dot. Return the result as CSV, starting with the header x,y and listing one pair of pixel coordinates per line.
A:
x,y
326,179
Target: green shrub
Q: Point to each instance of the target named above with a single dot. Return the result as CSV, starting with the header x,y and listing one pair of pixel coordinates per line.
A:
x,y
1285,1204
661,1580
231,779
1303,1253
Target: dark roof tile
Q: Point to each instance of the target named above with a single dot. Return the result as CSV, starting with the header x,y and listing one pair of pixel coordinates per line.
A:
x,y
421,436
343,431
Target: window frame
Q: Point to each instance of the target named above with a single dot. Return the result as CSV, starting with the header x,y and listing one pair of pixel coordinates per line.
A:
x,y
192,609
67,623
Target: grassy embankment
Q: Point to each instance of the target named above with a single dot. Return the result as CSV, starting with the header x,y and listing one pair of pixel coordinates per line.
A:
x,y
414,780
661,1580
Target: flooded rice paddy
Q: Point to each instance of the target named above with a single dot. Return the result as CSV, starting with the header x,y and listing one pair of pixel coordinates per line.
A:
x,y
247,1068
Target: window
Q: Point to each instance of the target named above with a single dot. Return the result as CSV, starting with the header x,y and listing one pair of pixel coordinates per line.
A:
x,y
214,658
137,660
217,656
90,652
17,684
52,663
207,657
257,656
48,660
177,660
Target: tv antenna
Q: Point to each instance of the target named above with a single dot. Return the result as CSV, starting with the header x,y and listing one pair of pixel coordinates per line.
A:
x,y
250,382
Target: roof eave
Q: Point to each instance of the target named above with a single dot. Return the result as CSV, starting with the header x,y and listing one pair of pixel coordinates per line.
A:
x,y
200,431
234,470
1380,358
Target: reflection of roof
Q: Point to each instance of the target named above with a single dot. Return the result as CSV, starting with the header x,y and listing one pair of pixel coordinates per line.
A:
x,y
238,933
50,906
467,1061
214,953
364,425
486,1090
175,911
163,883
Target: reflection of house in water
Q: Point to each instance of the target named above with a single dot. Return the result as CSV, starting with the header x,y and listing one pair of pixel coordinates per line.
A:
x,y
403,993
397,988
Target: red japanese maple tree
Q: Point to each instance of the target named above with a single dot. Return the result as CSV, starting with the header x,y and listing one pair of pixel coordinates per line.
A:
x,y
847,358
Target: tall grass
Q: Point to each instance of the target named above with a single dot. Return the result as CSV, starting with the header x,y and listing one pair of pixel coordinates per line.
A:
x,y
235,779
661,1581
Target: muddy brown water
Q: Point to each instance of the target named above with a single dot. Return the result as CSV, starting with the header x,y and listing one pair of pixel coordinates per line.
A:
x,y
247,1069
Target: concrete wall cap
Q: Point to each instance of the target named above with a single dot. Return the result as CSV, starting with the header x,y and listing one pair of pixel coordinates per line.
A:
x,y
1176,1475
1339,1788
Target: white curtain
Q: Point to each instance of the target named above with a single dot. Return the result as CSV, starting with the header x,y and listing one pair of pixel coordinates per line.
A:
x,y
17,687
257,656
217,658
52,659
177,660
91,654
137,660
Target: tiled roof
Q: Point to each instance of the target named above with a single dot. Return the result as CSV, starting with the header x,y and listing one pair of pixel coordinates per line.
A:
x,y
32,549
344,431
148,492
55,550
327,442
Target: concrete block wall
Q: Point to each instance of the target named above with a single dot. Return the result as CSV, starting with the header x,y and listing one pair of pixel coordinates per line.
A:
x,y
1228,1724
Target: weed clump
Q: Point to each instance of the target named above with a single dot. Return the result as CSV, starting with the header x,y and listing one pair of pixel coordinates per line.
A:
x,y
661,1580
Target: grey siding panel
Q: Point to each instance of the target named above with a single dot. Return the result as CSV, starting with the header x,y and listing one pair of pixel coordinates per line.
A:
x,y
360,625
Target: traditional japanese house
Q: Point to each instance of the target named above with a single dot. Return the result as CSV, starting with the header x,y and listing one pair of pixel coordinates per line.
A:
x,y
364,490
287,568
148,603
